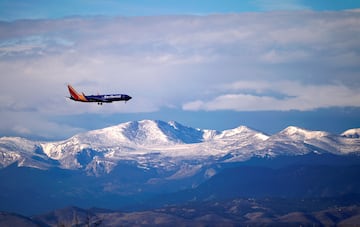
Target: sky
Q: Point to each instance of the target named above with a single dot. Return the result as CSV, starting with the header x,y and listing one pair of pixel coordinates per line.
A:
x,y
207,64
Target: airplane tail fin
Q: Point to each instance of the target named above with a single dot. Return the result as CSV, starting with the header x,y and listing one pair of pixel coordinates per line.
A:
x,y
74,95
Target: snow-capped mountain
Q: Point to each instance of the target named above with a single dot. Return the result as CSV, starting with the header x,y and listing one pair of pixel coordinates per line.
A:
x,y
25,152
149,143
169,146
317,141
352,133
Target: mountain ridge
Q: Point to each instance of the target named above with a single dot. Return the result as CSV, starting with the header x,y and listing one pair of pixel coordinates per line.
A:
x,y
169,145
127,165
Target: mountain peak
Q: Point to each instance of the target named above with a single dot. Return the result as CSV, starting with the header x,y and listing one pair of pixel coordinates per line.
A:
x,y
352,133
17,143
144,132
159,144
301,133
148,132
242,131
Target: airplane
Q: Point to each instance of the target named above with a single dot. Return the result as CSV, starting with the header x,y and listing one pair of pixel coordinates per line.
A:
x,y
100,99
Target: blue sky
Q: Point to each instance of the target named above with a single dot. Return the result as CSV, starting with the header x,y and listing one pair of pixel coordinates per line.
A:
x,y
209,64
36,9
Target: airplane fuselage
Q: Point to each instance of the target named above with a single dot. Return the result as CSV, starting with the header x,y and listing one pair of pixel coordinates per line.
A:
x,y
107,98
74,95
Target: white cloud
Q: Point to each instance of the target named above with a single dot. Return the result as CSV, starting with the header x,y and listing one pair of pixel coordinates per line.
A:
x,y
279,95
279,56
34,125
258,61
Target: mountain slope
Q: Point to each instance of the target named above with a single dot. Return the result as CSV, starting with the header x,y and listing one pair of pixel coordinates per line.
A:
x,y
126,165
352,133
149,143
169,146
11,219
319,141
25,152
236,212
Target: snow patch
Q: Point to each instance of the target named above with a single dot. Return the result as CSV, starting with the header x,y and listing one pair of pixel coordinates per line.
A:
x,y
352,133
170,146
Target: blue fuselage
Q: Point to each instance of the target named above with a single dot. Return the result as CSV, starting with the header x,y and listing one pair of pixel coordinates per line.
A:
x,y
108,98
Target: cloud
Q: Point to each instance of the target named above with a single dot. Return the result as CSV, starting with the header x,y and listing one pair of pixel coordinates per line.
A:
x,y
253,61
279,96
35,126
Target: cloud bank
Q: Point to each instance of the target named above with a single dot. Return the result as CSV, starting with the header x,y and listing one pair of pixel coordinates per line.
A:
x,y
283,96
282,61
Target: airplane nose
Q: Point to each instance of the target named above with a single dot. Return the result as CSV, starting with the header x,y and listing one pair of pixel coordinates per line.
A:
x,y
129,97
